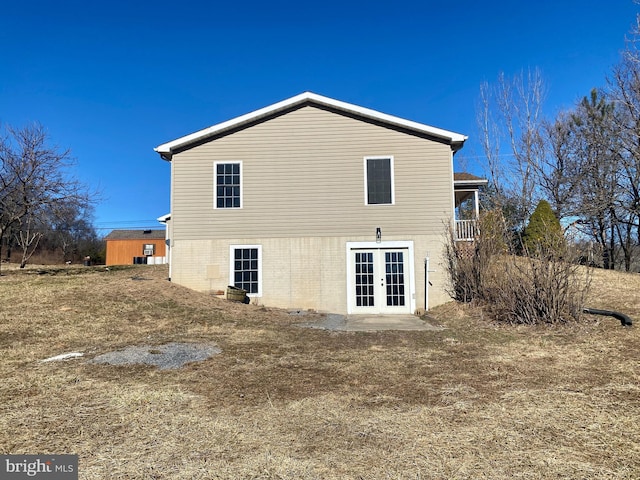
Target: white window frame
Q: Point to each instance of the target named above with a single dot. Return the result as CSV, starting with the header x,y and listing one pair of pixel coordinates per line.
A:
x,y
366,186
232,249
215,183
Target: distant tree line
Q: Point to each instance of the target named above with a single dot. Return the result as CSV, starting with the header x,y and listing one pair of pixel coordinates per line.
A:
x,y
585,161
45,212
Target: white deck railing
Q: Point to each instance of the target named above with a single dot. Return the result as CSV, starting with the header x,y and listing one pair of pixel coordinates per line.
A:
x,y
466,230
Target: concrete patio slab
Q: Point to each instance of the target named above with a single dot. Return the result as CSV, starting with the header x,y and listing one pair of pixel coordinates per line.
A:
x,y
364,323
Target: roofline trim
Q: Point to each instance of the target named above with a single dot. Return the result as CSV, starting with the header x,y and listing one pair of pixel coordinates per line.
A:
x,y
480,181
166,149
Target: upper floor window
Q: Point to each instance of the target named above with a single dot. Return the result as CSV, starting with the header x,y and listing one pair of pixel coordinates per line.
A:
x,y
379,180
228,185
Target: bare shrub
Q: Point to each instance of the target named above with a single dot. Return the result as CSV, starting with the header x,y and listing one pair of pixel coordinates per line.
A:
x,y
536,289
545,285
467,263
461,266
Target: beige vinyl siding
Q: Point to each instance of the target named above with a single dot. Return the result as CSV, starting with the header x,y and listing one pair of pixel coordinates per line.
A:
x,y
303,175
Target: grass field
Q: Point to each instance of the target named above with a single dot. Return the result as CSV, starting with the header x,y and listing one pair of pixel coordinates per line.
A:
x,y
475,400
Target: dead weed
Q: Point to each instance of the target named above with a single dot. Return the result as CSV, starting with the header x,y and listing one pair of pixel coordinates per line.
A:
x,y
475,400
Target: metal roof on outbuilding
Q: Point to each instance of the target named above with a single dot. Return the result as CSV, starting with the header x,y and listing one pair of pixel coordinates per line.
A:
x,y
136,235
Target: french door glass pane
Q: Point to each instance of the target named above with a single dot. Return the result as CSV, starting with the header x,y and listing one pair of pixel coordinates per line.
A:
x,y
364,279
394,268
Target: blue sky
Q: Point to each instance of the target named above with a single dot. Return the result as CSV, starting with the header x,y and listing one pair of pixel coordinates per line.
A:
x,y
113,80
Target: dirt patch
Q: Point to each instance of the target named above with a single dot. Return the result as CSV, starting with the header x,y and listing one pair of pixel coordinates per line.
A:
x,y
168,356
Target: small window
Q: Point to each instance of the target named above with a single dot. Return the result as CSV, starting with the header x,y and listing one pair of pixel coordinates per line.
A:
x,y
246,268
379,180
149,249
228,185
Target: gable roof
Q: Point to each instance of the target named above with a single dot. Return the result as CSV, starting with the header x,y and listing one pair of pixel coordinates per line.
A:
x,y
468,177
136,235
166,150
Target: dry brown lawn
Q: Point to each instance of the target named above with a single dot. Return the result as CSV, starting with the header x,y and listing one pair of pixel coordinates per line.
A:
x,y
475,400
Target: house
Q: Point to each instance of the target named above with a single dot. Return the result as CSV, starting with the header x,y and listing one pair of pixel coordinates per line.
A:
x,y
315,203
127,247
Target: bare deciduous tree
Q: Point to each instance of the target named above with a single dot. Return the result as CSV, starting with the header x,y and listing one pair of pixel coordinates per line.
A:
x,y
599,150
624,92
513,107
34,178
27,239
491,139
71,225
559,170
585,161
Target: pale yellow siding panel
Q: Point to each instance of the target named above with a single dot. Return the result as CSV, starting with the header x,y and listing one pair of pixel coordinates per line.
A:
x,y
303,174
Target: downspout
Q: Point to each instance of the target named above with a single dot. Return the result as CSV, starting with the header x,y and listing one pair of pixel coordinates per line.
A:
x,y
427,270
426,283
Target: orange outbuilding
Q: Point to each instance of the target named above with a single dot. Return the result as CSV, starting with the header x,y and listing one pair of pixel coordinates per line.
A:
x,y
127,247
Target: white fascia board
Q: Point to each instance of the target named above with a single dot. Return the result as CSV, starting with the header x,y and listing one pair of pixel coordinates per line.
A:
x,y
196,136
167,148
383,117
480,181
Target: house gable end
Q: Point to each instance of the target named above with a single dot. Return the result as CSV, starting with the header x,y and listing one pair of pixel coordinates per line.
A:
x,y
167,150
230,130
244,126
304,174
391,126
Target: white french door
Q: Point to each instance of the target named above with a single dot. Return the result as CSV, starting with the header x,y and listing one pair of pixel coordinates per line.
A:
x,y
380,282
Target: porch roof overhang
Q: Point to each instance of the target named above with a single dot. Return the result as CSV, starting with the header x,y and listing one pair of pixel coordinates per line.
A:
x,y
467,181
466,185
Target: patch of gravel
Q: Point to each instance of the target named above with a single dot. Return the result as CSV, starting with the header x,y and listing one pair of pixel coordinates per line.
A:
x,y
168,356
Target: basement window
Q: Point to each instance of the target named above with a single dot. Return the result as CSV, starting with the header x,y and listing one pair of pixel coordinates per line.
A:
x,y
246,268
